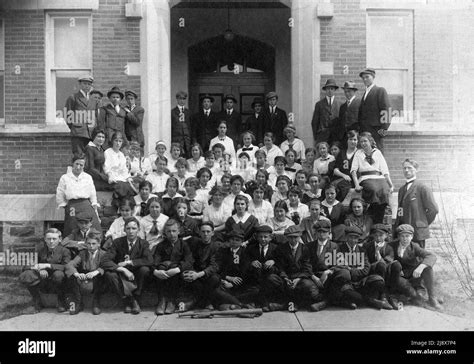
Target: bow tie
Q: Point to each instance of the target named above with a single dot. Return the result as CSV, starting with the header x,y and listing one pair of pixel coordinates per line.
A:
x,y
290,169
247,149
324,159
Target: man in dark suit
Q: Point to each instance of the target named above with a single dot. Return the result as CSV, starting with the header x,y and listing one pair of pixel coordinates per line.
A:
x,y
414,266
416,204
75,241
319,249
181,124
134,119
127,264
86,271
79,113
261,258
233,119
48,273
293,264
275,118
204,123
374,110
172,257
348,113
112,116
256,122
326,114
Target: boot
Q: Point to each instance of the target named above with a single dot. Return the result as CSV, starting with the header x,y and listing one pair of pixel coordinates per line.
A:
x,y
34,291
61,303
318,306
433,302
375,303
170,307
96,305
127,305
396,305
135,306
160,309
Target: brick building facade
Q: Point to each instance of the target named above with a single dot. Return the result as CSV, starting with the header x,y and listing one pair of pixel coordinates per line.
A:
x,y
140,45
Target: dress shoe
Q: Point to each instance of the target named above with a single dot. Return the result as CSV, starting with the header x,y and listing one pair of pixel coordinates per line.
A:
x,y
96,310
170,308
127,305
160,309
38,305
209,307
433,302
96,306
135,307
61,307
318,306
349,305
266,308
248,305
396,305
417,301
77,307
375,303
386,305
228,306
273,306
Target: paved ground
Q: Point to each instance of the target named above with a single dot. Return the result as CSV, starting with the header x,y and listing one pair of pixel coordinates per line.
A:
x,y
333,319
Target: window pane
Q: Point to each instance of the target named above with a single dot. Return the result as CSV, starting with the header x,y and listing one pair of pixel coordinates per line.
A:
x,y
2,47
2,94
71,43
389,41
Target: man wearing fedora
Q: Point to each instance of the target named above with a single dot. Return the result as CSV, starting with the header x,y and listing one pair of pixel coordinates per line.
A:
x,y
374,110
233,119
326,114
181,124
204,122
276,118
112,116
76,104
348,113
256,122
134,118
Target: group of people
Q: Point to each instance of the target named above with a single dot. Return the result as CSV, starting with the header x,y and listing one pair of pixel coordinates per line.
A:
x,y
241,214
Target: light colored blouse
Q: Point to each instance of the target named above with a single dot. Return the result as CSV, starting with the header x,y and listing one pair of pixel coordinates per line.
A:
x,y
71,187
263,213
227,142
195,166
146,224
115,166
321,166
217,215
158,181
360,165
272,153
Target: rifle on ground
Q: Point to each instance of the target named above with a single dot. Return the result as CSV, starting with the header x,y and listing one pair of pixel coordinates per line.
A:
x,y
242,313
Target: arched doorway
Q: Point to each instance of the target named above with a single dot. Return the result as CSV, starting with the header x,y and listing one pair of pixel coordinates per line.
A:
x,y
243,67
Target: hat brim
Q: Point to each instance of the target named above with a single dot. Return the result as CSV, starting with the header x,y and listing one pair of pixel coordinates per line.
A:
x,y
326,86
206,97
366,73
326,230
255,103
231,98
294,234
350,88
379,231
131,93
115,92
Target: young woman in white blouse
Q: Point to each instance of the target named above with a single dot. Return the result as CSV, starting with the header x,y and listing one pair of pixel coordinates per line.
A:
x,y
115,165
151,226
223,139
117,229
217,212
270,149
197,161
260,208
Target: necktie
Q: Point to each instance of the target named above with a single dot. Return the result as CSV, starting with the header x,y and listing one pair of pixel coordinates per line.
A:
x,y
228,112
320,249
143,209
293,252
348,103
154,228
130,247
262,253
91,262
117,108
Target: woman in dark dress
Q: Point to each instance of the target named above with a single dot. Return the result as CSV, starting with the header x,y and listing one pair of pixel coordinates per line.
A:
x,y
95,161
242,219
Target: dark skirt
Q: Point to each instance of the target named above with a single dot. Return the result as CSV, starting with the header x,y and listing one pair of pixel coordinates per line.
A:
x,y
73,207
376,191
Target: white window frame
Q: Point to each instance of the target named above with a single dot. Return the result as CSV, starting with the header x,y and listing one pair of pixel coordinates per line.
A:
x,y
51,71
409,116
2,65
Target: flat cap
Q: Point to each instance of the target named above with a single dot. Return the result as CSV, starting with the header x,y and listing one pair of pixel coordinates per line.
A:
x,y
131,92
353,230
368,71
381,228
87,78
271,94
236,233
322,225
405,228
83,216
263,229
293,230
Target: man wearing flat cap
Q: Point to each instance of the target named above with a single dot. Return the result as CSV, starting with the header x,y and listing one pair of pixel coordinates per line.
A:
x,y
75,241
233,119
275,118
80,114
112,116
348,113
326,114
134,118
374,110
204,122
181,123
414,266
294,276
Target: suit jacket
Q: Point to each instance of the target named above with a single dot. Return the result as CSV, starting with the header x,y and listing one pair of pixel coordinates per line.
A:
x,y
412,257
181,129
110,120
229,265
133,125
318,263
140,254
371,108
234,125
418,208
337,214
203,128
386,252
348,119
82,263
357,272
204,256
253,252
77,102
169,256
324,116
289,267
275,123
257,126
58,257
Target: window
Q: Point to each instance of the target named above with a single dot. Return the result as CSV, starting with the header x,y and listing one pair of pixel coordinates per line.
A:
x,y
68,56
2,74
390,53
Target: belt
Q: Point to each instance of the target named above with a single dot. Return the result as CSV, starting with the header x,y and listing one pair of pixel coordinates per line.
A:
x,y
370,173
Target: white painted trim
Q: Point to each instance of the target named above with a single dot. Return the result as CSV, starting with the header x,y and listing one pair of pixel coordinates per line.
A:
x,y
34,129
49,4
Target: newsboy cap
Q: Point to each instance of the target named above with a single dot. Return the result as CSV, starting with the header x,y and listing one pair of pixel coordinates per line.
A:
x,y
206,96
236,233
87,78
322,225
293,230
130,92
263,229
405,228
353,230
369,71
83,216
381,228
271,94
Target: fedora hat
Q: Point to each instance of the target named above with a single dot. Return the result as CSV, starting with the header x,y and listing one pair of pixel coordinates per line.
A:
x,y
330,83
350,85
115,90
230,97
130,92
369,71
206,96
257,100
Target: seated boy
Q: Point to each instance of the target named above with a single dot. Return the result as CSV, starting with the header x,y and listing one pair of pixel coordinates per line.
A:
x,y
75,241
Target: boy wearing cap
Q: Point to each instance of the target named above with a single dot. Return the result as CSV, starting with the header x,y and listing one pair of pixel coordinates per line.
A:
x,y
204,123
275,118
348,113
321,268
256,122
112,116
134,119
87,267
413,265
233,119
293,263
374,110
181,124
326,114
75,241
49,271
81,108
416,204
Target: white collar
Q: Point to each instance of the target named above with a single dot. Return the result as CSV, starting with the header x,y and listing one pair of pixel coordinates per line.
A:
x,y
325,203
243,219
369,88
411,180
352,98
323,243
351,249
166,195
84,94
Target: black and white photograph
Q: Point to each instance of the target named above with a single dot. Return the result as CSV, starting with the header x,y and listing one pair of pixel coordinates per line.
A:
x,y
241,169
